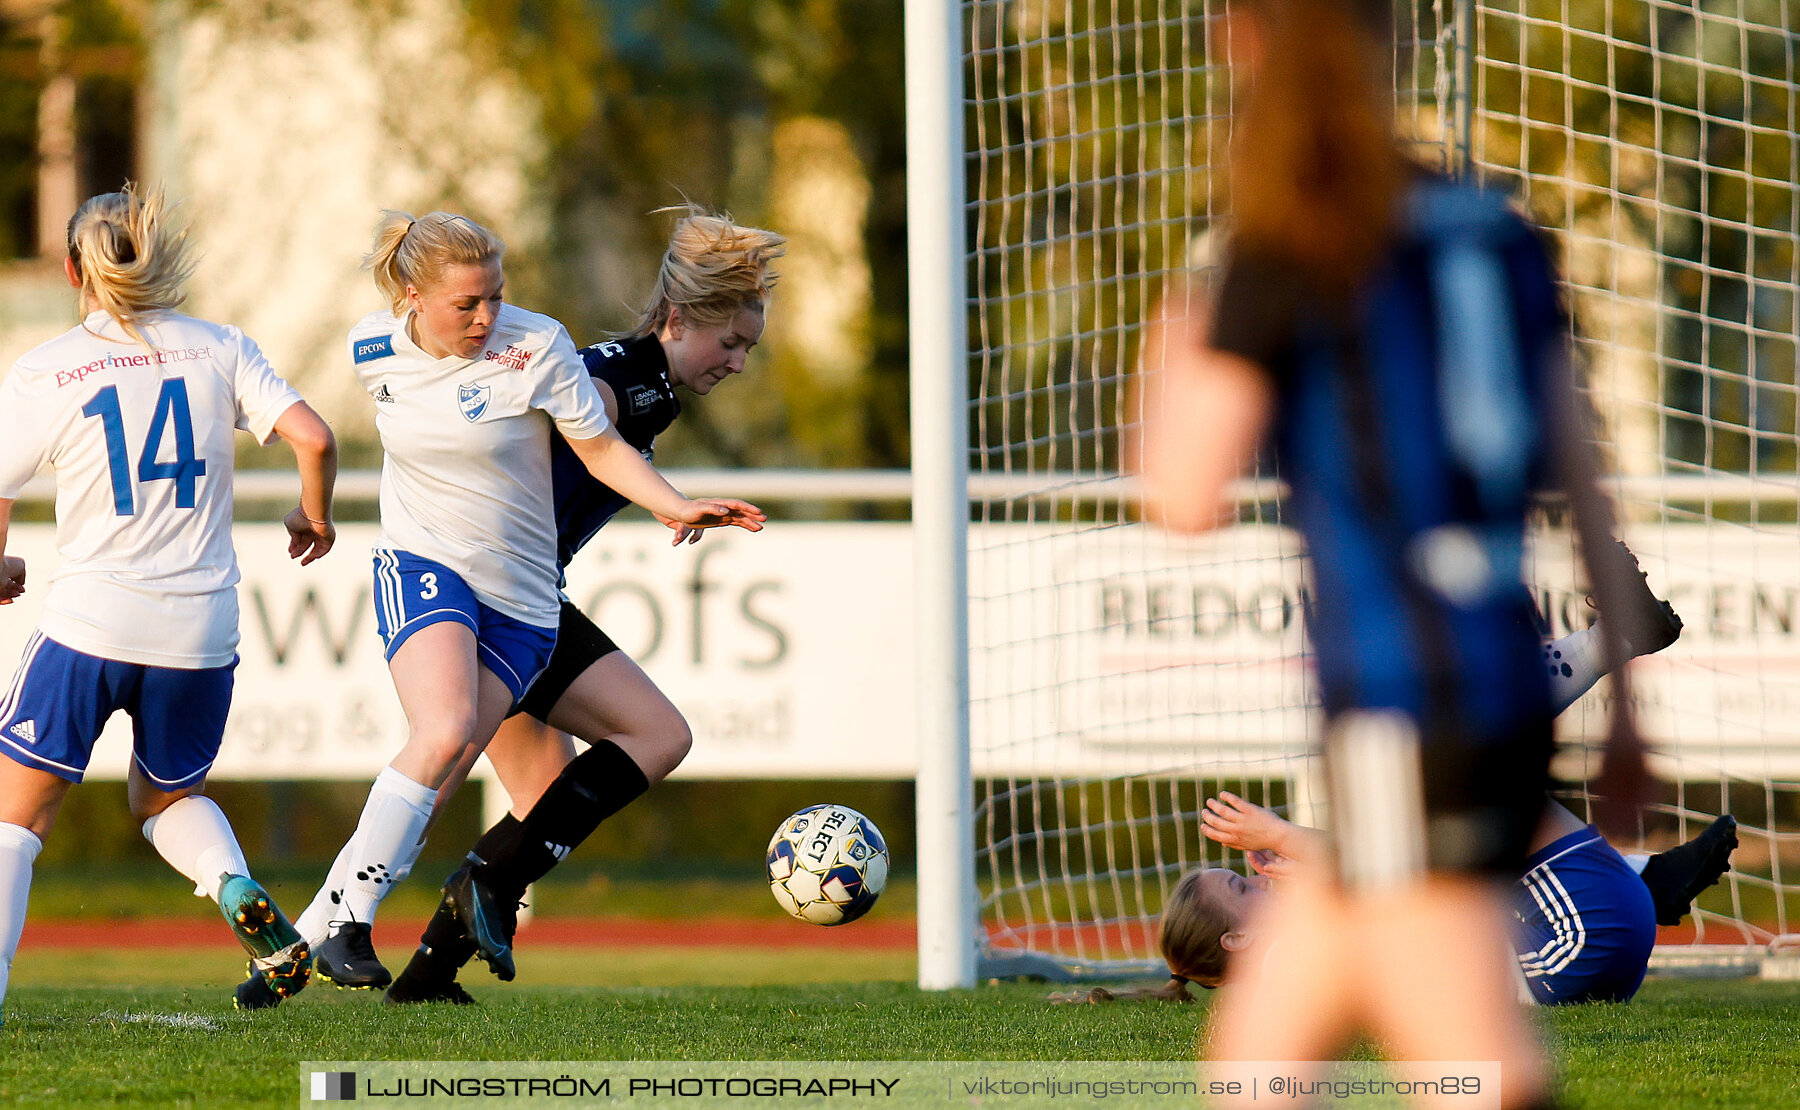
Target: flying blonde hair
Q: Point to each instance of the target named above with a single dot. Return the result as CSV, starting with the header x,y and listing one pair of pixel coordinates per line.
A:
x,y
129,257
414,252
711,269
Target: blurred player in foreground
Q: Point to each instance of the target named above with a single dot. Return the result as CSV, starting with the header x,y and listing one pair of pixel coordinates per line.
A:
x,y
704,315
1401,338
134,410
469,394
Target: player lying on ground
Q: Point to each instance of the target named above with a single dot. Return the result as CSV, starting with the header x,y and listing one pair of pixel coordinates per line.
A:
x,y
135,411
470,394
1584,917
704,315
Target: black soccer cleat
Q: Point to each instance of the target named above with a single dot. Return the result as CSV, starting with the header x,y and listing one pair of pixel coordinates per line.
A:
x,y
1676,877
410,989
347,958
484,923
255,993
1648,623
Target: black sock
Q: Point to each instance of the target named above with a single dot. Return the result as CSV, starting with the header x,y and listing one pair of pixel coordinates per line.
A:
x,y
595,785
443,947
499,841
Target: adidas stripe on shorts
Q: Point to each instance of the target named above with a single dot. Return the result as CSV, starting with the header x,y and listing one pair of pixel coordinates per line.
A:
x,y
1584,922
413,593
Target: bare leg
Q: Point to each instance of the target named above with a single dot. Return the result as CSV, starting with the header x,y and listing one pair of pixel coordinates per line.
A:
x,y
1439,988
1444,987
528,755
637,737
612,700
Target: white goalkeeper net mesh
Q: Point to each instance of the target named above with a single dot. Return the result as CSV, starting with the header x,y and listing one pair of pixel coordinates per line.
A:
x,y
1119,676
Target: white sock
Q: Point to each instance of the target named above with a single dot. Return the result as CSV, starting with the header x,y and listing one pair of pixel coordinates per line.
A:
x,y
195,837
1575,662
387,841
1637,860
315,922
19,848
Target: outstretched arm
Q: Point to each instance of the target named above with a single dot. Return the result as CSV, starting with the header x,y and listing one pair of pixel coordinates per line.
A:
x,y
1203,412
310,531
1253,829
610,459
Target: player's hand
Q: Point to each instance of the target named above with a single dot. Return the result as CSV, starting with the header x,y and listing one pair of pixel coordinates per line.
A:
x,y
683,532
12,578
1266,861
1246,826
714,512
308,541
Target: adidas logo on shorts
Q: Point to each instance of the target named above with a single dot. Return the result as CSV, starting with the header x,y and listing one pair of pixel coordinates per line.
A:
x,y
560,851
26,731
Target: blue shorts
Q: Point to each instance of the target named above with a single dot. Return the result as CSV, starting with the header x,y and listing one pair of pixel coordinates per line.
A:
x,y
61,698
1585,922
413,593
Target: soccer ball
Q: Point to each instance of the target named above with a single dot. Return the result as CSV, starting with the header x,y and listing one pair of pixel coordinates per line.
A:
x,y
827,864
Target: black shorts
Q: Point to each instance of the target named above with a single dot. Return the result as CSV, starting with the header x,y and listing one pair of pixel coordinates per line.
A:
x,y
579,645
1475,809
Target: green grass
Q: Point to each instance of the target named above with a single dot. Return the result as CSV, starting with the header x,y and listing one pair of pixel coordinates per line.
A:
x,y
156,1028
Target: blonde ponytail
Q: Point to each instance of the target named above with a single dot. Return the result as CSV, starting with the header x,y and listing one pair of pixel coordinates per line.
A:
x,y
129,257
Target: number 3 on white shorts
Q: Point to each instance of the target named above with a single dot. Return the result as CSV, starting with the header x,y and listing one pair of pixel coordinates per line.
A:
x,y
428,581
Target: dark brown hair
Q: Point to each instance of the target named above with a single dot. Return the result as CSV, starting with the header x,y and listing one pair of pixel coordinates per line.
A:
x,y
1315,170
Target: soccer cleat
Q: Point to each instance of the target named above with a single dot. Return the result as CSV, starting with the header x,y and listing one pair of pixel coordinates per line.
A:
x,y
410,988
483,922
347,957
1649,624
279,960
1676,877
254,993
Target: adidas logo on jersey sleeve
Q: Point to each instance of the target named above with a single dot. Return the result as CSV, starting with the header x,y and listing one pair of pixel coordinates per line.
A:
x,y
368,350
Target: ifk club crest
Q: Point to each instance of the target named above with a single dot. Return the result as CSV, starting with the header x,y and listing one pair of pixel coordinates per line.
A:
x,y
473,399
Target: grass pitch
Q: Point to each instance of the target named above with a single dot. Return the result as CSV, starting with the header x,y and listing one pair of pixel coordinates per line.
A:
x,y
156,1028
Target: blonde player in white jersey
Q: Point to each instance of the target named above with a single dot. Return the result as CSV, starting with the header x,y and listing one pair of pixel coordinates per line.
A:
x,y
134,411
468,392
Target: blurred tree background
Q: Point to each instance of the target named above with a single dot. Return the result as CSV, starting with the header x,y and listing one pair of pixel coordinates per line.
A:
x,y
787,113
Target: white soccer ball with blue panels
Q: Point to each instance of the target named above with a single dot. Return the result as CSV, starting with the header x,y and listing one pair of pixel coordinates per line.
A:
x,y
827,864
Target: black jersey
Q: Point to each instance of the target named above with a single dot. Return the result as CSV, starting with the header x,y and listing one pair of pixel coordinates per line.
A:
x,y
638,373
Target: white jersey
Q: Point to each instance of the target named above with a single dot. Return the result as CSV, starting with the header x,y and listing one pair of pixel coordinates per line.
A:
x,y
466,478
140,440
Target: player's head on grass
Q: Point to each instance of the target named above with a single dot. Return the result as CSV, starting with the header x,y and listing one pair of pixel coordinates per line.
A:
x,y
127,257
711,294
446,270
1206,921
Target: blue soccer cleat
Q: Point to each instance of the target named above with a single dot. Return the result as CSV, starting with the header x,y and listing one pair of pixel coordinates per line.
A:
x,y
280,962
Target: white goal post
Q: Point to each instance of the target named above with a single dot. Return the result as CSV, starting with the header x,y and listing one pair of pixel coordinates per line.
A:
x,y
1086,682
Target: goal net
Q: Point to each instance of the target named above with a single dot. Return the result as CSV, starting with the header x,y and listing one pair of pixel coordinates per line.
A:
x,y
1119,676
